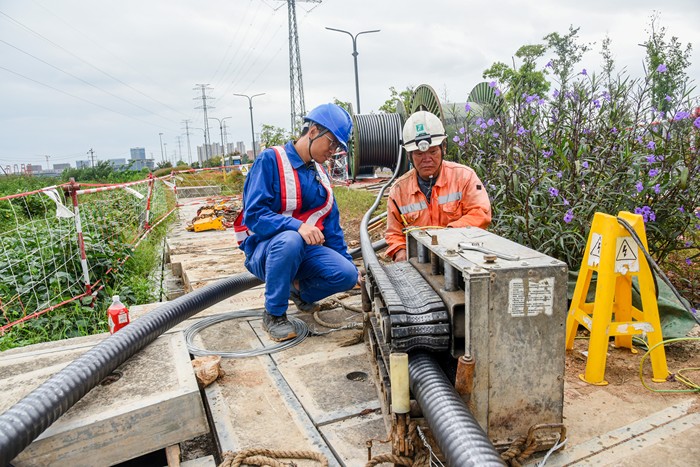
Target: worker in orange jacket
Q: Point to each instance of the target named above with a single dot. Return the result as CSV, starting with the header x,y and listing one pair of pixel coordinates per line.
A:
x,y
435,192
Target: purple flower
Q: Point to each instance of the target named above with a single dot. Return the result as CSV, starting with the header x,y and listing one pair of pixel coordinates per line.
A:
x,y
662,68
495,134
467,107
461,131
559,174
613,130
646,212
547,153
584,72
497,92
584,164
522,131
680,115
653,172
456,139
639,186
657,188
596,103
549,64
688,261
483,125
555,94
606,96
681,208
553,192
696,123
651,159
688,244
639,139
490,122
667,98
492,84
651,145
564,201
569,216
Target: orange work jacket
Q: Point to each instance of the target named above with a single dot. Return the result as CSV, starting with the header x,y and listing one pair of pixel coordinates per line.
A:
x,y
458,199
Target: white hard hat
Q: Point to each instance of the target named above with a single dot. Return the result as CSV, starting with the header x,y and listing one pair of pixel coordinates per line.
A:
x,y
421,131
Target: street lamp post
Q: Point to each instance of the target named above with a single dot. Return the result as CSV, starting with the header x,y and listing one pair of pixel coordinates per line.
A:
x,y
354,54
162,155
221,132
250,105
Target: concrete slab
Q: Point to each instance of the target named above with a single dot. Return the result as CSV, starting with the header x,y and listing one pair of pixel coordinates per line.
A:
x,y
153,404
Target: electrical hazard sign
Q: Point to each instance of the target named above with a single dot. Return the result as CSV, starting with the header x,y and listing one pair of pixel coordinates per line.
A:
x,y
626,255
594,252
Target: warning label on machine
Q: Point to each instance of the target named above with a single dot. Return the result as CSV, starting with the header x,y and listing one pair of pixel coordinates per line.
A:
x,y
531,298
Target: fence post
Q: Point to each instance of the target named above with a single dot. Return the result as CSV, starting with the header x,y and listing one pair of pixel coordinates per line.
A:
x,y
79,229
147,224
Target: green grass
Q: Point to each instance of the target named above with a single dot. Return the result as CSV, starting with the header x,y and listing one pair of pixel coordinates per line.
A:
x,y
354,203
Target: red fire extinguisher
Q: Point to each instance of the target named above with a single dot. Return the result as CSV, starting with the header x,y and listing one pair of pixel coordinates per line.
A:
x,y
117,315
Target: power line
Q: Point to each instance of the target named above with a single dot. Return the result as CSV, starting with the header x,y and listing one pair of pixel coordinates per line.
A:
x,y
72,54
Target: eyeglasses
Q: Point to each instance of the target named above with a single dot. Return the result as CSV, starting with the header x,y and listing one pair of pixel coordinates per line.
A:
x,y
335,145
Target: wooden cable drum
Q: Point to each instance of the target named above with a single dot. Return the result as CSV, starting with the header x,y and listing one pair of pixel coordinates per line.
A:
x,y
376,141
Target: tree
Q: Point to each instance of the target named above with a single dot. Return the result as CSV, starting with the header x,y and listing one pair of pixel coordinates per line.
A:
x,y
526,79
346,105
666,62
568,53
404,96
273,136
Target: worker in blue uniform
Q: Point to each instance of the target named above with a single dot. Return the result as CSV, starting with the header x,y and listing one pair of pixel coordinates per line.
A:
x,y
290,224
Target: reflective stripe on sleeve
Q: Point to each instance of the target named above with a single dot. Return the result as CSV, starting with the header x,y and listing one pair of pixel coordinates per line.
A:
x,y
413,207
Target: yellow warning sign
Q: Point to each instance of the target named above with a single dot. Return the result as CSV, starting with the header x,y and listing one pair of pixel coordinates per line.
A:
x,y
615,257
626,255
594,252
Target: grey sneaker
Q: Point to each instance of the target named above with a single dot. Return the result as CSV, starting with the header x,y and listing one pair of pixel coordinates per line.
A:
x,y
278,327
301,305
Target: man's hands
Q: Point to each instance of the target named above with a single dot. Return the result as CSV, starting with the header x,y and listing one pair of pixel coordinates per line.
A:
x,y
311,234
400,255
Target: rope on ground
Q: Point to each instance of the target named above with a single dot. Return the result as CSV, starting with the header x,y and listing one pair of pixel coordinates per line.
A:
x,y
518,451
391,458
259,456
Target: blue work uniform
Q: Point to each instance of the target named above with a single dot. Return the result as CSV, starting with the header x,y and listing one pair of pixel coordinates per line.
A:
x,y
275,252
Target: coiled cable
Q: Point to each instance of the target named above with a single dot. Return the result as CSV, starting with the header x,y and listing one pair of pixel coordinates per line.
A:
x,y
300,327
377,141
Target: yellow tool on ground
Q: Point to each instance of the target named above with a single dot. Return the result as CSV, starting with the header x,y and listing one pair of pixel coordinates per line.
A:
x,y
207,223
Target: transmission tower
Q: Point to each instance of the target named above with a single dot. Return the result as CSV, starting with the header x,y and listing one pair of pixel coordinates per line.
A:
x,y
189,148
296,83
205,88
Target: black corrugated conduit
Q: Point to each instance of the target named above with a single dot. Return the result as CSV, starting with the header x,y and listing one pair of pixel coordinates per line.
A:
x,y
27,419
461,439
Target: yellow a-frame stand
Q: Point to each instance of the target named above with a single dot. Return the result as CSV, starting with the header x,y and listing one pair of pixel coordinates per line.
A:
x,y
614,255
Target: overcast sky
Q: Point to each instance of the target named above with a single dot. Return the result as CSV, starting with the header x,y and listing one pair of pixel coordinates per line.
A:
x,y
112,75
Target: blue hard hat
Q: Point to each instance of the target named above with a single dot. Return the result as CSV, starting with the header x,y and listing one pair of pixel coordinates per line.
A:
x,y
335,119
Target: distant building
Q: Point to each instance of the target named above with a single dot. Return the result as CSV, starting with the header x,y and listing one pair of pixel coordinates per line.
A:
x,y
117,163
140,164
60,167
83,164
138,153
33,168
240,147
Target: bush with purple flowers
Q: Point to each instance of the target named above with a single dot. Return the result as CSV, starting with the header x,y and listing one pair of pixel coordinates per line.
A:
x,y
598,142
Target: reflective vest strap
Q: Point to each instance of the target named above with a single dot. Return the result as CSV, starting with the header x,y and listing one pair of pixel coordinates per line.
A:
x,y
240,231
317,216
289,183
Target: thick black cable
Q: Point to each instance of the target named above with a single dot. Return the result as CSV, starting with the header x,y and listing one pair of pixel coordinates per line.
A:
x,y
656,267
377,137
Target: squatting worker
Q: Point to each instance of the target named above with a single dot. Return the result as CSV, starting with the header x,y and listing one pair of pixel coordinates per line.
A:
x,y
435,192
290,225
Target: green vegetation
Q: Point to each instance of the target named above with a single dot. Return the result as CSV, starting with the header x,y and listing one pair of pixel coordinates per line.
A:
x,y
597,143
